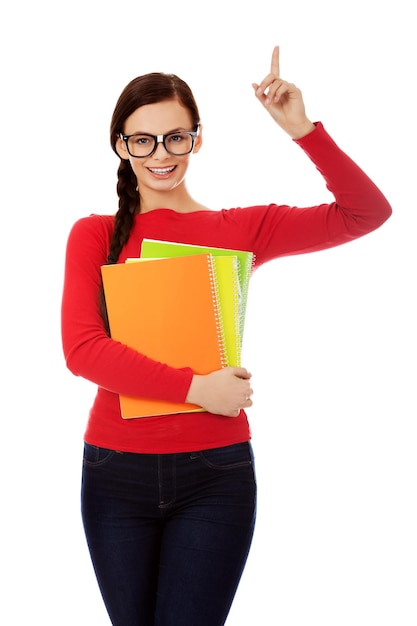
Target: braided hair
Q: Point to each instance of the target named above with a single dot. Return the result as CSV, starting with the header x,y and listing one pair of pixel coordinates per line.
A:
x,y
147,89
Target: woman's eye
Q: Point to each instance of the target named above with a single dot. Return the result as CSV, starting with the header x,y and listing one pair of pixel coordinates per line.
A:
x,y
176,138
142,141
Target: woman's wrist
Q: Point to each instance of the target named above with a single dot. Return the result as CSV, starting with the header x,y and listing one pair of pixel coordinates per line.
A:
x,y
297,132
194,390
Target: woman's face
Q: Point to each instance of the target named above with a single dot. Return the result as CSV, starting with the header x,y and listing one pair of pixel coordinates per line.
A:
x,y
161,171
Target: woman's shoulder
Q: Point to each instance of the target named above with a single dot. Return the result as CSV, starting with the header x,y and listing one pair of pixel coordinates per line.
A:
x,y
94,228
95,220
94,223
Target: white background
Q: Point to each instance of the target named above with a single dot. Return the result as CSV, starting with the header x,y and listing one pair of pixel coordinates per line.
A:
x,y
330,338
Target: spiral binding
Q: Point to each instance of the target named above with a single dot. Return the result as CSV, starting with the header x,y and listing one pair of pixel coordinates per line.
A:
x,y
218,316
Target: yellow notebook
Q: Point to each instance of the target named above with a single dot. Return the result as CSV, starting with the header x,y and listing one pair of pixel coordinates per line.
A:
x,y
166,309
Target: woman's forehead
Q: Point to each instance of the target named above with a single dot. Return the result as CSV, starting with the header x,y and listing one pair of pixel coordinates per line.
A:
x,y
158,118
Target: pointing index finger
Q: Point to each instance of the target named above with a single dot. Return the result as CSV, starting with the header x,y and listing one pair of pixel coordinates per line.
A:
x,y
275,61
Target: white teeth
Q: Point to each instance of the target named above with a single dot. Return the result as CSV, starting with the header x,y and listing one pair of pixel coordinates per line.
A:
x,y
161,170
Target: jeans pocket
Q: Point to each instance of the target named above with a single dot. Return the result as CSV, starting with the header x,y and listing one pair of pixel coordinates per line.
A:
x,y
227,457
95,456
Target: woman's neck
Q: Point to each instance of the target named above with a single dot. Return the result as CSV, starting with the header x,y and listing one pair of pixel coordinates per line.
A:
x,y
186,206
180,201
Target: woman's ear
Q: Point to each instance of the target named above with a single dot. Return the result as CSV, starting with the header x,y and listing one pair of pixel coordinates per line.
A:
x,y
198,140
121,149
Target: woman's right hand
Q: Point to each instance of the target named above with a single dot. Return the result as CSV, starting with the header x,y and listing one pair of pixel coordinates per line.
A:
x,y
223,392
283,101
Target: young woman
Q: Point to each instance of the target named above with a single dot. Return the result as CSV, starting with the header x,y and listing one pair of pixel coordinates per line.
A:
x,y
168,502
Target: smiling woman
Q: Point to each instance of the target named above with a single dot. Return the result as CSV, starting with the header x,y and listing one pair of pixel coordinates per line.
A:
x,y
169,501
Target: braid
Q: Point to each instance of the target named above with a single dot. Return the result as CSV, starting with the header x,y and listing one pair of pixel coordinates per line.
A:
x,y
129,205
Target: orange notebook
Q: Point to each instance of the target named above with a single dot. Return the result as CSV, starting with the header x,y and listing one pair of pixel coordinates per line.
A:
x,y
166,309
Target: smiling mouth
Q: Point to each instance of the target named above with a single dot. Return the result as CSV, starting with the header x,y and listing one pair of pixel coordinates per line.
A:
x,y
161,170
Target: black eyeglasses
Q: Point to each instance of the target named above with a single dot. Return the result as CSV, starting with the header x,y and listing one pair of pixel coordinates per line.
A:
x,y
141,145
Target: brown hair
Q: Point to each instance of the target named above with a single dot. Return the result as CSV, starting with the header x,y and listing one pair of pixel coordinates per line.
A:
x,y
146,89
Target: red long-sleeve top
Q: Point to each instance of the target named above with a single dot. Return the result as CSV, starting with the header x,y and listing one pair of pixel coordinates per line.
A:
x,y
269,231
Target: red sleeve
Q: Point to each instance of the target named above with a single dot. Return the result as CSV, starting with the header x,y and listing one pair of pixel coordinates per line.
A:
x,y
359,207
89,352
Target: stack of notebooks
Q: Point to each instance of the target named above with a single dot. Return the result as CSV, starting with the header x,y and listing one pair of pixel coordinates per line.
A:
x,y
180,304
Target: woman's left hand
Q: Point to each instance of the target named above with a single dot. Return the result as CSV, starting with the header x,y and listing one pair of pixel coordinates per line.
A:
x,y
283,101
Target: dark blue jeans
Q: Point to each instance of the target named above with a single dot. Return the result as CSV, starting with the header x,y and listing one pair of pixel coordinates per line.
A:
x,y
169,534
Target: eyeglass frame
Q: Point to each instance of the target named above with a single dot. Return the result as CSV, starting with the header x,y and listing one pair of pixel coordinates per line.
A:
x,y
161,139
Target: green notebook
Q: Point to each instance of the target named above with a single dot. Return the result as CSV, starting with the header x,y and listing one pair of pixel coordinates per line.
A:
x,y
154,248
